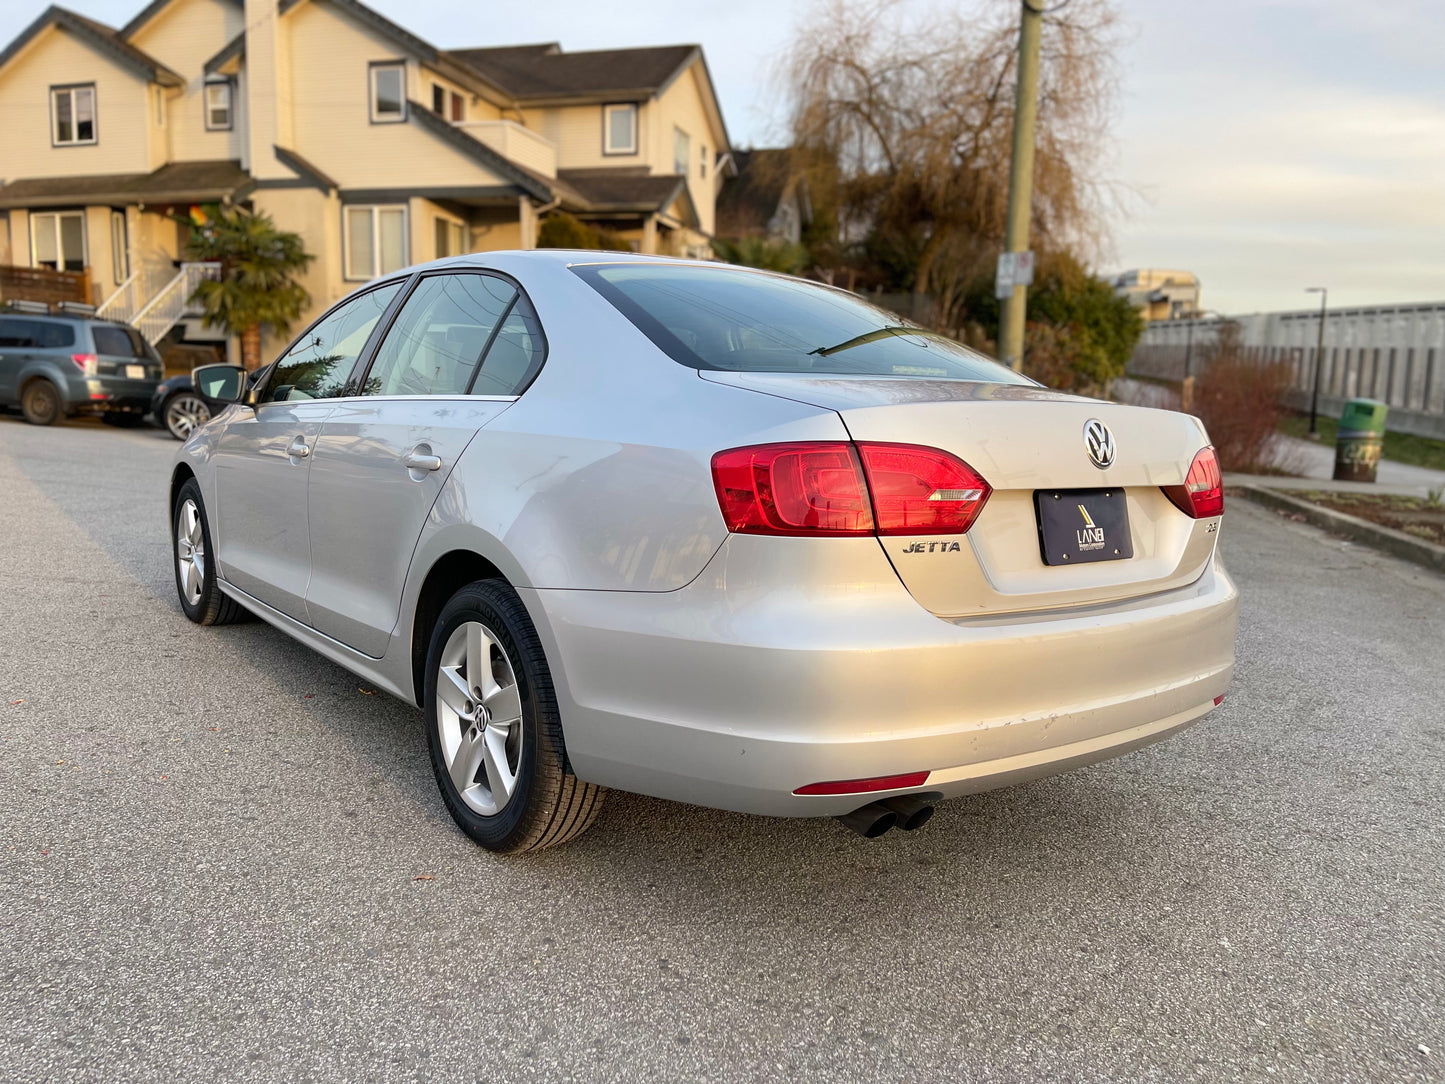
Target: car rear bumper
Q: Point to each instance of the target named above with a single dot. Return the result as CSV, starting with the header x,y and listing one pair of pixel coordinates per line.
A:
x,y
744,686
110,394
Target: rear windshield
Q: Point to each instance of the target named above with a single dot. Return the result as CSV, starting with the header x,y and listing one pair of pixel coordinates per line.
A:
x,y
124,342
744,321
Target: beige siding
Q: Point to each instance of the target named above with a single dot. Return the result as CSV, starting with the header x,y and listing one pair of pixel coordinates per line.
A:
x,y
317,218
183,37
421,79
56,57
331,111
681,106
576,132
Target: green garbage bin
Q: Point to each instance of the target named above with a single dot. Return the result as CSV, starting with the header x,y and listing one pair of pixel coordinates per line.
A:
x,y
1360,439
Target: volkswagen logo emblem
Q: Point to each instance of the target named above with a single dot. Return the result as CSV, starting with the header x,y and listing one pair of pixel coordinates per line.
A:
x,y
1100,443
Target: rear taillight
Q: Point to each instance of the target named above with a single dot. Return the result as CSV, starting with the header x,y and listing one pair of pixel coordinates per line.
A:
x,y
1202,493
920,490
87,363
793,489
839,488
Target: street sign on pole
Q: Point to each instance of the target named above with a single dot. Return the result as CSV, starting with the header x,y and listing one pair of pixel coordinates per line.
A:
x,y
1014,269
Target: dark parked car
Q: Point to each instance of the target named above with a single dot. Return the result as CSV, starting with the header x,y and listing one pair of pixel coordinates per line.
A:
x,y
180,409
53,365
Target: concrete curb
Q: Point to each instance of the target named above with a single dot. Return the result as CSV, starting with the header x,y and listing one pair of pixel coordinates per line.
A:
x,y
1396,543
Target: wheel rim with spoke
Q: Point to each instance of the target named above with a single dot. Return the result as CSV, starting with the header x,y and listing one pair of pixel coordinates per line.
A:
x,y
190,552
479,718
185,414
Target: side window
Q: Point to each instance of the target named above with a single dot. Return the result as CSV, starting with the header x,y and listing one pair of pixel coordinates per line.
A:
x,y
438,336
318,365
36,334
17,333
515,354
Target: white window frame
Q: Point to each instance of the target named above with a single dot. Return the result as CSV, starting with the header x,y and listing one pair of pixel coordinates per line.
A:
x,y
56,216
119,248
371,73
206,108
607,111
461,236
375,209
683,163
70,91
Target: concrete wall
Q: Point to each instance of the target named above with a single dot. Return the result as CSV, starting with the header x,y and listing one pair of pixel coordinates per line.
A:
x,y
1394,353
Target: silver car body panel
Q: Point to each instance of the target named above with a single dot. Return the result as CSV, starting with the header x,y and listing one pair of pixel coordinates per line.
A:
x,y
729,670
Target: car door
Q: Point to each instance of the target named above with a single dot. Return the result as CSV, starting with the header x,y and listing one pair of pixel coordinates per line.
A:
x,y
263,456
459,350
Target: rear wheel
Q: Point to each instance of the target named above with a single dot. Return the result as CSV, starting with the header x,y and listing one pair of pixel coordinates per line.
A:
x,y
183,413
40,403
201,597
493,727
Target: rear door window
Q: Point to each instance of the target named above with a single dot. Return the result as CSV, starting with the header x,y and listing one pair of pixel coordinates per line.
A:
x,y
123,342
36,334
729,319
436,344
318,364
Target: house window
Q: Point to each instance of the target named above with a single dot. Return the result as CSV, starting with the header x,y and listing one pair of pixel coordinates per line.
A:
x,y
388,93
375,240
459,108
438,99
702,161
58,240
619,129
72,111
681,151
119,257
451,237
218,105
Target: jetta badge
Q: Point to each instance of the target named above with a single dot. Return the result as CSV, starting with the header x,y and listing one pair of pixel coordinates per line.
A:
x,y
1100,443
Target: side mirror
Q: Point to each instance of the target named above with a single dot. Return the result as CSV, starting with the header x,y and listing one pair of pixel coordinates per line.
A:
x,y
224,383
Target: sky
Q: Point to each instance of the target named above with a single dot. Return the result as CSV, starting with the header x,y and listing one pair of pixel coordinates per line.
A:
x,y
1265,145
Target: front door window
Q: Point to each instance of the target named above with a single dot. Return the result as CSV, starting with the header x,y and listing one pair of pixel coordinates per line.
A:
x,y
318,364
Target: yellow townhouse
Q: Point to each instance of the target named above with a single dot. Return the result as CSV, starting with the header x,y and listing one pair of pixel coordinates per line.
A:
x,y
378,148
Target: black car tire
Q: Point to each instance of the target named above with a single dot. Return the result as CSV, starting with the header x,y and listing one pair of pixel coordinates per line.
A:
x,y
212,607
40,403
121,420
550,805
174,410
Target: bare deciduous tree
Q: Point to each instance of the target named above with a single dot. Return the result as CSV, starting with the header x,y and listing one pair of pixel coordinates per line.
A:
x,y
914,109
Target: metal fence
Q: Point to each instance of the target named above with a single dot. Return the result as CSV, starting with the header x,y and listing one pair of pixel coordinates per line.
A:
x,y
1394,353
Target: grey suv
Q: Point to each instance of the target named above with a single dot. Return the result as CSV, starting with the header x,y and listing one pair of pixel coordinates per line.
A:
x,y
52,366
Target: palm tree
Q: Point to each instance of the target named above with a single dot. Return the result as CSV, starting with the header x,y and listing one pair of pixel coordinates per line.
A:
x,y
259,265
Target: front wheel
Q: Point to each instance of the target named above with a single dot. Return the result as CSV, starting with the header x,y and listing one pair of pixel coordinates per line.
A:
x,y
184,413
493,727
201,597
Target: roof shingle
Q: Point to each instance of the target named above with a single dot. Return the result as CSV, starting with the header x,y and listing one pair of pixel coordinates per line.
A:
x,y
544,71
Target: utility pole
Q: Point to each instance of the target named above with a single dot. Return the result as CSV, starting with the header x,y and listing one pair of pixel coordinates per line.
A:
x,y
1021,178
1324,293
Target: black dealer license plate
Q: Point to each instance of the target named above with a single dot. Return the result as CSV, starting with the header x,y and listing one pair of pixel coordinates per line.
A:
x,y
1077,526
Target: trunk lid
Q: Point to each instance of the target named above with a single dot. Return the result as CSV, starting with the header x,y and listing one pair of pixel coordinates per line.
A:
x,y
1022,439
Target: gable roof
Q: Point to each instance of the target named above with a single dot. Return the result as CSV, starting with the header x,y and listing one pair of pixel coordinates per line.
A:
x,y
149,12
748,201
103,39
535,72
605,191
235,49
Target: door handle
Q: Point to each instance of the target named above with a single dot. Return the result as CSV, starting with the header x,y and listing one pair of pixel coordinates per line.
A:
x,y
298,449
418,460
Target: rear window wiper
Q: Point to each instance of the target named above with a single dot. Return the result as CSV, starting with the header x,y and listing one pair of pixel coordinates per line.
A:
x,y
874,336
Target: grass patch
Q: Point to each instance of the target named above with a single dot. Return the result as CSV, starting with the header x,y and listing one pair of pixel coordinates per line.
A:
x,y
1419,516
1399,447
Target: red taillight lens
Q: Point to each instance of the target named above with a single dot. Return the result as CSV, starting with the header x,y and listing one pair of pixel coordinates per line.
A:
x,y
919,490
864,786
1202,493
87,363
805,488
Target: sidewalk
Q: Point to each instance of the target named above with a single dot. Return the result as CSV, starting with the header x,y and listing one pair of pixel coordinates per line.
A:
x,y
1317,463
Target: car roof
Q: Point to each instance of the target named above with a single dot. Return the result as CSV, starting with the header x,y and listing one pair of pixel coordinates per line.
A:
x,y
62,317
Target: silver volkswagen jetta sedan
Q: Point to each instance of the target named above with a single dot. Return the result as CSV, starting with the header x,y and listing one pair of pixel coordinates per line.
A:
x,y
710,534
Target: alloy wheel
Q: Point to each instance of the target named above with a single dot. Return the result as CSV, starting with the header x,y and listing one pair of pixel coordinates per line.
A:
x,y
191,551
479,718
186,413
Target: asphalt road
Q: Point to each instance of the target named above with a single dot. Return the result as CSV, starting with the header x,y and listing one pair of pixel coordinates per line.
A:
x,y
223,860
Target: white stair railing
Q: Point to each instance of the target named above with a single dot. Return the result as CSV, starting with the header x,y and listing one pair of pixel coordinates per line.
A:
x,y
168,304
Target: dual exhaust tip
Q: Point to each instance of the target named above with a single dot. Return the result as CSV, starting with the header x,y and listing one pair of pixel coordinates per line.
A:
x,y
876,818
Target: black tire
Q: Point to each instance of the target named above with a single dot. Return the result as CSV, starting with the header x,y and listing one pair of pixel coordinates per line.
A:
x,y
550,805
40,403
211,607
182,412
122,421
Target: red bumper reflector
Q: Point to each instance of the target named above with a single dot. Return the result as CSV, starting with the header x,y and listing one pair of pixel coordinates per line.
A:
x,y
1219,700
863,786
99,395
